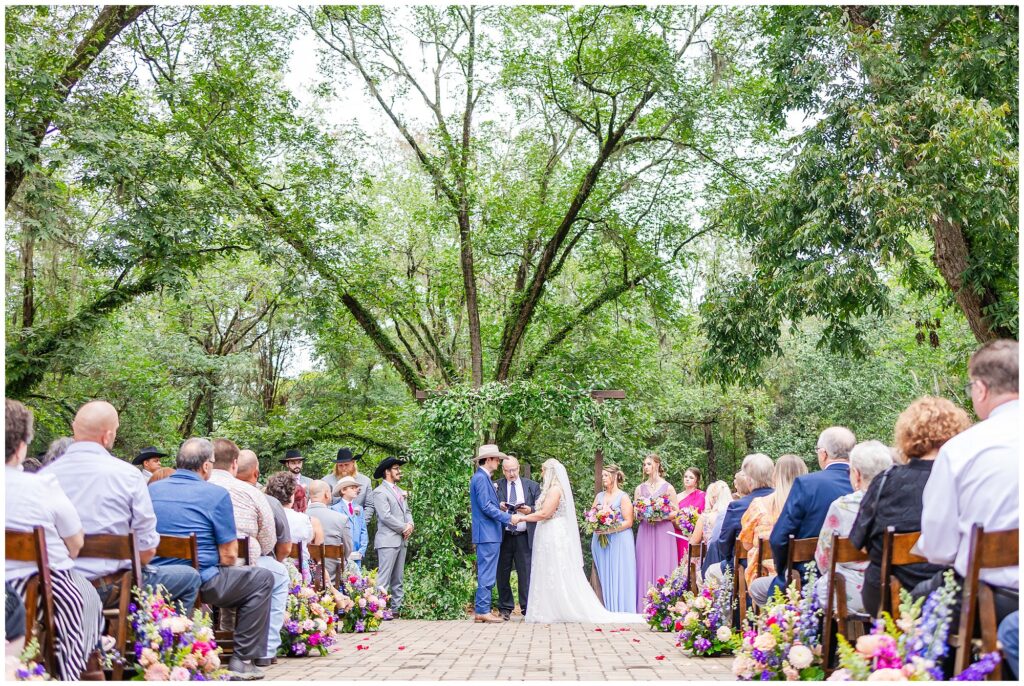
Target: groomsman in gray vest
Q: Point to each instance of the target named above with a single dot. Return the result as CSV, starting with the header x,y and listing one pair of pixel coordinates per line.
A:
x,y
394,527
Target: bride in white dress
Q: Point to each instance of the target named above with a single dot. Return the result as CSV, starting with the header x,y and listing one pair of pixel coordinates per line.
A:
x,y
559,590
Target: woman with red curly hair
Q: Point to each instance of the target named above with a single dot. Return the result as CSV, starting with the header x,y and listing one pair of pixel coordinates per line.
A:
x,y
894,497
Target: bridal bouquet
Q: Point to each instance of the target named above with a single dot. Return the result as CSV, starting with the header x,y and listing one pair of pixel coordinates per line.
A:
x,y
170,646
309,618
783,642
704,629
686,520
662,604
370,603
654,509
910,648
601,521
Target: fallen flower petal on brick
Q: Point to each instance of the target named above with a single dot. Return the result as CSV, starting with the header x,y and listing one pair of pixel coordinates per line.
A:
x,y
659,657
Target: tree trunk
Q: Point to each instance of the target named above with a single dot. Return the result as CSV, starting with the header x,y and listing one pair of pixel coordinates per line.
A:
x,y
709,445
465,235
28,306
951,257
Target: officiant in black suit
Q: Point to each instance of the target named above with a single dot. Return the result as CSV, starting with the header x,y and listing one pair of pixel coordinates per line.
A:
x,y
516,541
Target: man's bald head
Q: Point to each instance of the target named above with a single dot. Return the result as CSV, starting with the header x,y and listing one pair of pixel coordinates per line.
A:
x,y
96,421
319,492
248,466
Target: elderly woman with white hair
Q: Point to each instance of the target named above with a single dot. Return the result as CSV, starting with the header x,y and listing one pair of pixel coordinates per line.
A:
x,y
867,460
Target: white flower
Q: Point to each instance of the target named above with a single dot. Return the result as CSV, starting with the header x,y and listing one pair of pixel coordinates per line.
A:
x,y
700,602
800,656
690,619
723,634
742,666
764,642
840,675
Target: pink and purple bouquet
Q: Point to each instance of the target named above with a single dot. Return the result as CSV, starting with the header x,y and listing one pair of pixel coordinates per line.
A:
x,y
29,667
686,520
654,509
663,603
369,603
912,647
602,521
704,629
783,643
309,619
168,645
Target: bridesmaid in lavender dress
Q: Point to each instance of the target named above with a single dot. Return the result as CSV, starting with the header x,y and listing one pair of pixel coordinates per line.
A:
x,y
655,549
691,496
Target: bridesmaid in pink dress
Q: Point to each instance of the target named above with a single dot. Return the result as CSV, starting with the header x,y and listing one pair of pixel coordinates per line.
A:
x,y
691,496
655,549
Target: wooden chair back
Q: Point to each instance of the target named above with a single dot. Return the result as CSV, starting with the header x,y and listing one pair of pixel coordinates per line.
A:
x,y
334,553
693,553
30,546
800,550
842,551
117,547
896,551
739,580
989,550
764,552
180,548
315,553
243,550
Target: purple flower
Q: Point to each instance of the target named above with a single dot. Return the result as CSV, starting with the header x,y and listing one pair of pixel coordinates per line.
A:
x,y
360,626
766,675
701,645
980,669
292,626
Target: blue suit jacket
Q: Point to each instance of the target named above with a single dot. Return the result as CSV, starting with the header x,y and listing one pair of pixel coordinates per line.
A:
x,y
488,519
357,525
721,550
806,507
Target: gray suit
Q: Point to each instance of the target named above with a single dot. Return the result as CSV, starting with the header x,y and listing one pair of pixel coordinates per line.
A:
x,y
392,516
336,532
364,499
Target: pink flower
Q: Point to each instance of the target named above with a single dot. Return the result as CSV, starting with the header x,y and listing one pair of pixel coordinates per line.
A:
x,y
179,674
157,672
148,657
888,675
871,644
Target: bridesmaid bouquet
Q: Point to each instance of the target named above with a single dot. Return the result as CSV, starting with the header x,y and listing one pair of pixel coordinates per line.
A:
x,y
783,642
686,520
601,521
910,648
654,509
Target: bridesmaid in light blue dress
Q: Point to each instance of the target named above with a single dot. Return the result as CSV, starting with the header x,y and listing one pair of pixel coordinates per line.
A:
x,y
616,562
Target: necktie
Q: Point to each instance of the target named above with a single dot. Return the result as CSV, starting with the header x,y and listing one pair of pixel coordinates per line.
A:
x,y
350,510
512,499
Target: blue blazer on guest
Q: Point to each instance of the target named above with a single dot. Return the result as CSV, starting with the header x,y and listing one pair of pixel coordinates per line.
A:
x,y
806,507
357,526
721,550
488,519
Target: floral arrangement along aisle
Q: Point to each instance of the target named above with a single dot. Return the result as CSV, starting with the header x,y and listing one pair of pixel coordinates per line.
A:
x,y
654,509
662,605
704,629
29,668
912,647
369,603
783,643
600,521
168,645
309,618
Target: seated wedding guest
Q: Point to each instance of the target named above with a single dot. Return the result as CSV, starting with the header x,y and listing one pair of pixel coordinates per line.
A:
x,y
349,489
740,485
33,500
811,496
867,460
159,474
253,517
186,503
757,473
111,497
57,448
334,524
14,623
304,531
894,498
31,465
248,470
1009,637
716,500
759,519
976,475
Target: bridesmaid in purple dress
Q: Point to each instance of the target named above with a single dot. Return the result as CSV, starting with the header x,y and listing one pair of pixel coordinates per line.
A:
x,y
655,549
691,496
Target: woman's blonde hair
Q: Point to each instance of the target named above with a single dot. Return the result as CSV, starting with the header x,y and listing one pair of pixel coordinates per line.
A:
x,y
656,458
615,471
717,497
787,469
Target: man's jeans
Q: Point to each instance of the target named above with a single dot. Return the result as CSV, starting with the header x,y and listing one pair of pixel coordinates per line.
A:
x,y
1009,636
278,599
180,581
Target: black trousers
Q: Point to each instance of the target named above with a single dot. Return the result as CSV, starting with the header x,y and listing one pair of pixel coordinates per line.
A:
x,y
514,550
248,589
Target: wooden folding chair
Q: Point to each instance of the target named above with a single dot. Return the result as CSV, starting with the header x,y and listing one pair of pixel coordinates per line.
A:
x,y
181,548
30,546
989,550
895,552
334,553
836,607
764,552
801,550
117,547
739,579
315,553
224,618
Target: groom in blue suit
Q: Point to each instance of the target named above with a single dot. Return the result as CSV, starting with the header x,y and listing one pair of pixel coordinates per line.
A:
x,y
488,522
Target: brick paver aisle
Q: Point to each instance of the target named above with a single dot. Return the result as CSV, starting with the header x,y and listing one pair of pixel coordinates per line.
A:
x,y
461,650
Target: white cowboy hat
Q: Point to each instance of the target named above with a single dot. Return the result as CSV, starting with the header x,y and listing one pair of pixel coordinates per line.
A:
x,y
487,450
343,482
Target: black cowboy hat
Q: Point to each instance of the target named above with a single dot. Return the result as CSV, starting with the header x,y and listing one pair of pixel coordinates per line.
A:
x,y
147,453
386,464
345,455
292,454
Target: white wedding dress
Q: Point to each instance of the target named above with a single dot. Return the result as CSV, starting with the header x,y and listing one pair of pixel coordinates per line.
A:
x,y
559,590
